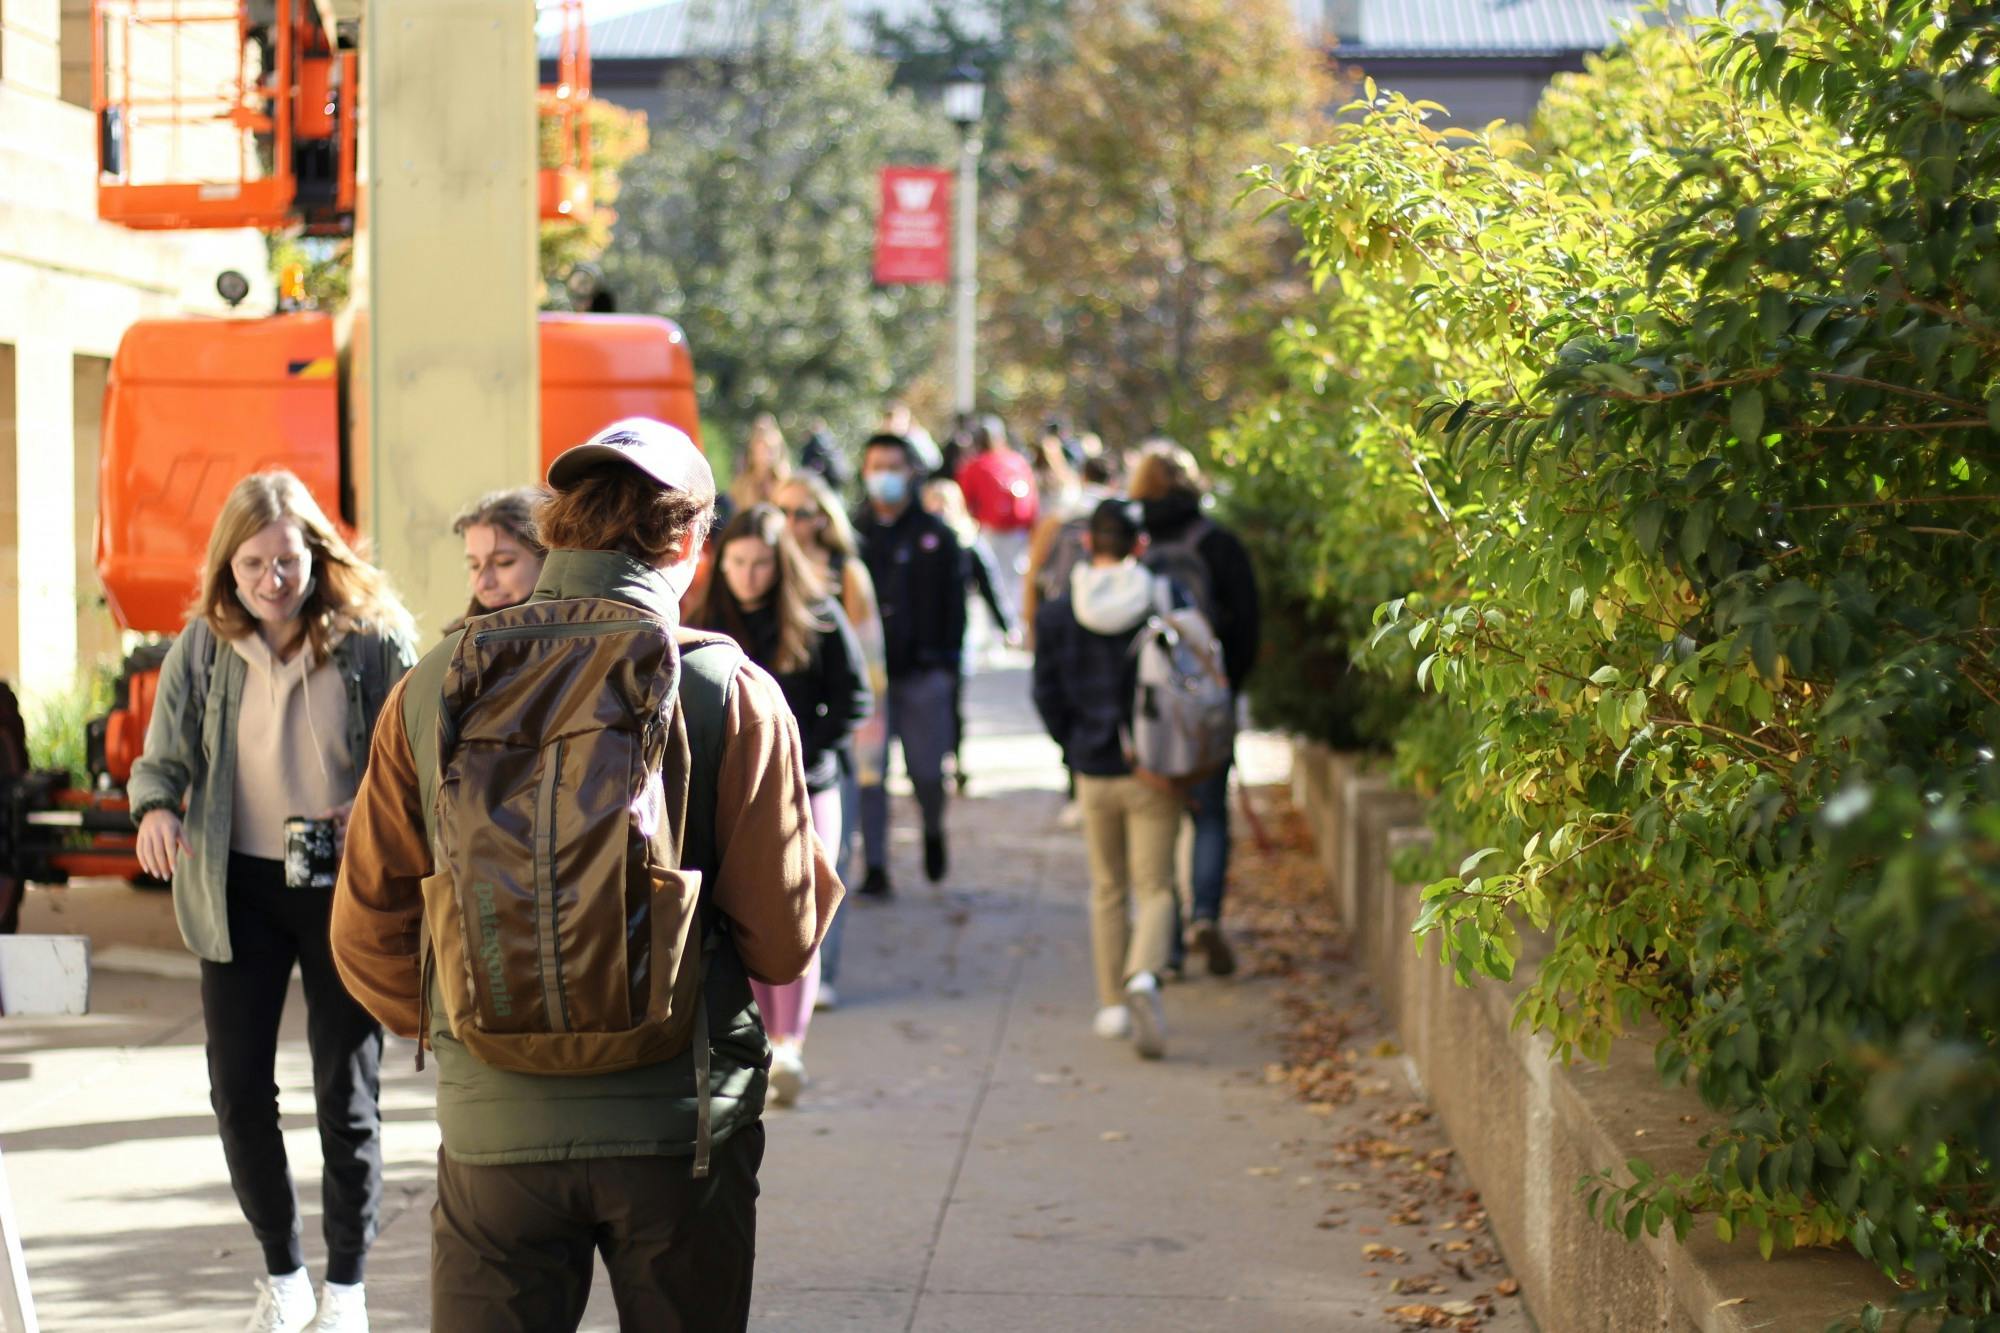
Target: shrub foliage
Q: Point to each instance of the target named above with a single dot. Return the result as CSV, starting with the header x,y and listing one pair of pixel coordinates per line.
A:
x,y
1676,426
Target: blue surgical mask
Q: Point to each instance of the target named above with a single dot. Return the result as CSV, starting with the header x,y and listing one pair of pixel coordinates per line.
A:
x,y
889,488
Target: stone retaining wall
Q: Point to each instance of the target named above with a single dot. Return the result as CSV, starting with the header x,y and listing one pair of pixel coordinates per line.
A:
x,y
1528,1129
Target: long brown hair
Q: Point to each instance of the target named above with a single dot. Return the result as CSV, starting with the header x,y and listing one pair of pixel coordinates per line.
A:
x,y
794,593
837,533
511,512
347,593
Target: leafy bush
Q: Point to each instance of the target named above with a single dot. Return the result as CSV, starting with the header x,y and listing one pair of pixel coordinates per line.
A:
x,y
1705,565
55,721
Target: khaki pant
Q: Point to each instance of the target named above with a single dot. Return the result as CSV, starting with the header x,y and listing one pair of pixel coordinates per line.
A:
x,y
1130,830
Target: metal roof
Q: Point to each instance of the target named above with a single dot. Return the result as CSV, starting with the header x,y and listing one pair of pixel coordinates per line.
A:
x,y
1469,29
678,29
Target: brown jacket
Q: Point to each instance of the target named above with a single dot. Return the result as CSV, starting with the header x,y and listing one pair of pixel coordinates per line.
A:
x,y
774,881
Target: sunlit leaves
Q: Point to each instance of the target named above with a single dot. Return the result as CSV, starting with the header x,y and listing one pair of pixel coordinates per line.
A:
x,y
1681,424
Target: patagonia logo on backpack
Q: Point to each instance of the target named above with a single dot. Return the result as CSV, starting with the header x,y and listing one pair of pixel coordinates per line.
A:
x,y
562,935
1183,714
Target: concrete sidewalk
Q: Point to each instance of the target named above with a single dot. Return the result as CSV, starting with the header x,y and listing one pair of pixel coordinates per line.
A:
x,y
967,1157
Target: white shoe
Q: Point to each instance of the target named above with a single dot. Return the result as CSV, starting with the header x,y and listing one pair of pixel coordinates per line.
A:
x,y
343,1308
1113,1022
827,998
284,1304
1149,1016
788,1075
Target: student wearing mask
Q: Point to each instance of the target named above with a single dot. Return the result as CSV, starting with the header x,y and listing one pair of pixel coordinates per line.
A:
x,y
266,704
917,566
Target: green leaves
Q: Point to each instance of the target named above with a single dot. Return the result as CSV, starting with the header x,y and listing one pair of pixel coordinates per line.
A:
x,y
1746,414
1675,436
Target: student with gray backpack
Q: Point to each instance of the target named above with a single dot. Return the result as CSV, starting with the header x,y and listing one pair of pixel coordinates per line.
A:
x,y
1208,560
1098,668
583,831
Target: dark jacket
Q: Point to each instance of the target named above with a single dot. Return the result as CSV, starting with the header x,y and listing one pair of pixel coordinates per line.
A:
x,y
920,586
829,695
1232,580
1083,662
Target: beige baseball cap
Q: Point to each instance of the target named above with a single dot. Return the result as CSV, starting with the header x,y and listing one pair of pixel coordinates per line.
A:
x,y
662,452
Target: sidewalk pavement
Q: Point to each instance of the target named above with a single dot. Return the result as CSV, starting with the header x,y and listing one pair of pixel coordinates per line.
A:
x,y
967,1156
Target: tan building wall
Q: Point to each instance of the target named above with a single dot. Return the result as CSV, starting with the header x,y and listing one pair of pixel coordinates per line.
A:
x,y
69,287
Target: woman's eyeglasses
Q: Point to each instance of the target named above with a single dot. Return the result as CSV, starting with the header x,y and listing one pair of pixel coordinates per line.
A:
x,y
804,515
250,570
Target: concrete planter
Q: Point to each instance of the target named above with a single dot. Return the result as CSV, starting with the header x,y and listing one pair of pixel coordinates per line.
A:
x,y
1528,1129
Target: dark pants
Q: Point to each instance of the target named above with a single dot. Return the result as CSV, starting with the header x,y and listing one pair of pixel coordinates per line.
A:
x,y
242,1001
919,715
511,1245
1209,872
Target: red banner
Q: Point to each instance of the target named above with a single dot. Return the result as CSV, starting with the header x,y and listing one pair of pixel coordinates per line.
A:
x,y
913,232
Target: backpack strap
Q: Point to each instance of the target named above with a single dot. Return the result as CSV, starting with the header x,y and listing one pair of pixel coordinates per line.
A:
x,y
708,669
423,698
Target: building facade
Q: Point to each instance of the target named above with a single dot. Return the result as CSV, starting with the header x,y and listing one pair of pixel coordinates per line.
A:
x,y
70,285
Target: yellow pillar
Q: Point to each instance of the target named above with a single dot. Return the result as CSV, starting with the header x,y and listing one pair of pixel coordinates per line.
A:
x,y
444,386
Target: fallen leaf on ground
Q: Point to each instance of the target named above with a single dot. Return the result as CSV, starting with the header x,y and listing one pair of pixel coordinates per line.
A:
x,y
1262,1171
1114,1136
1507,1286
1734,1300
1385,1253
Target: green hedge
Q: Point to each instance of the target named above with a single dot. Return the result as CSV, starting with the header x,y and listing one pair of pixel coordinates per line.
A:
x,y
1677,426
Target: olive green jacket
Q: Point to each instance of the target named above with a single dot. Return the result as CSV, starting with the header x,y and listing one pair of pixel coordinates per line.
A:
x,y
191,753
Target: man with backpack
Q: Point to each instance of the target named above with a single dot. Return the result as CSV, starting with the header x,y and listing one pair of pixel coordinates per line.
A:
x,y
582,830
1099,687
1208,560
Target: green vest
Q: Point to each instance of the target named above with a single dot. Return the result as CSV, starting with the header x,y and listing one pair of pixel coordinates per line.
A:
x,y
490,1115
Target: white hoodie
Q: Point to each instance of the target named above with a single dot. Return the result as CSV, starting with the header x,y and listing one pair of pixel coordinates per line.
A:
x,y
1111,599
291,746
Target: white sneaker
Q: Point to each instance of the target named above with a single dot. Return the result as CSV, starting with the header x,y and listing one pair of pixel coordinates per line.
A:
x,y
284,1304
343,1308
1149,1016
788,1075
1113,1023
828,998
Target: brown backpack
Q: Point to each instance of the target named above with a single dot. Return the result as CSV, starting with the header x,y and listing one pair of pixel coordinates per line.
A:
x,y
561,931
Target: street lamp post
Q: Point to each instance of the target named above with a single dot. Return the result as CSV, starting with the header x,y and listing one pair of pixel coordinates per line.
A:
x,y
964,103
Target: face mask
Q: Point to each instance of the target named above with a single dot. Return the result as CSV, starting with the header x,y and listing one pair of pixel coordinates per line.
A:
x,y
889,488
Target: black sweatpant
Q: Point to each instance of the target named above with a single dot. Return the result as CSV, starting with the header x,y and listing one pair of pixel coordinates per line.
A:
x,y
270,928
511,1245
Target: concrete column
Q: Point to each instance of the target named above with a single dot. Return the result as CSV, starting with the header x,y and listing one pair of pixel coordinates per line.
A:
x,y
445,396
45,496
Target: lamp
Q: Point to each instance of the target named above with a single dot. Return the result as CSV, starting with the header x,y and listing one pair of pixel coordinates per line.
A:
x,y
964,97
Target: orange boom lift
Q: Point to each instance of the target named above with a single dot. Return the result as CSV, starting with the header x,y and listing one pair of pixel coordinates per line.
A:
x,y
255,125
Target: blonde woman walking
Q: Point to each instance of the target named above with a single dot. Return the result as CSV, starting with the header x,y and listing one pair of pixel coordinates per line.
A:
x,y
266,704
